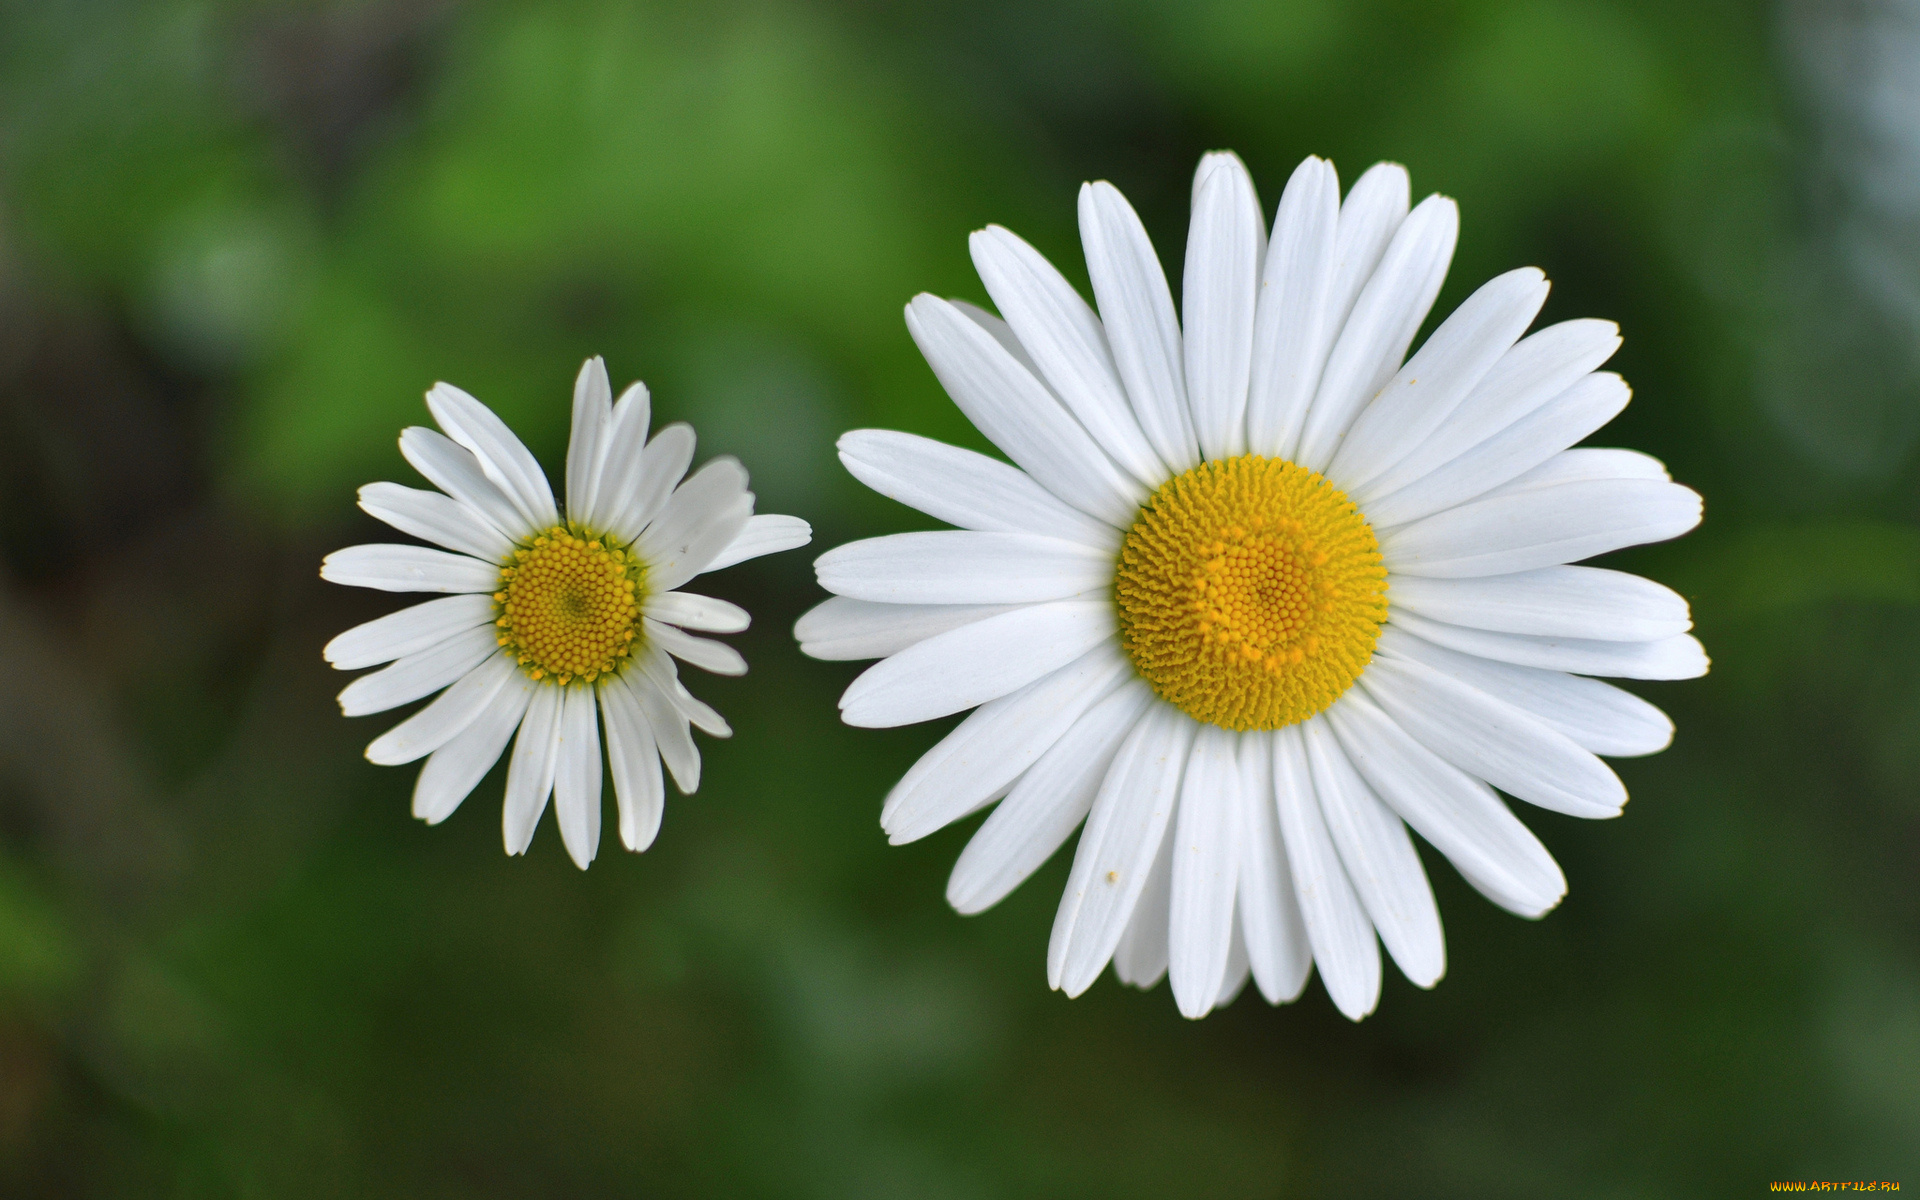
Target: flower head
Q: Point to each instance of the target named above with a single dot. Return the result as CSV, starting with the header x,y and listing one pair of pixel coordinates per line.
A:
x,y
557,623
1256,595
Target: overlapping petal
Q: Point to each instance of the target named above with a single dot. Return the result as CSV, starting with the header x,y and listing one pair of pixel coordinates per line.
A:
x,y
1292,325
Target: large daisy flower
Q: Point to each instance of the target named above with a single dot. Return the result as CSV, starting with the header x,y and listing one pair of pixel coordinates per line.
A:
x,y
1256,596
555,622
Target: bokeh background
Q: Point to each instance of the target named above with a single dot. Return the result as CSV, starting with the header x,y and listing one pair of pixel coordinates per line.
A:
x,y
239,240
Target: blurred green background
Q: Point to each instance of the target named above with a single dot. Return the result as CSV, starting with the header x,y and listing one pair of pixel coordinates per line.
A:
x,y
237,242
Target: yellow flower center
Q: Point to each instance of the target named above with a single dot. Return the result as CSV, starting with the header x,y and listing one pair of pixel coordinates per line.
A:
x,y
1250,592
570,605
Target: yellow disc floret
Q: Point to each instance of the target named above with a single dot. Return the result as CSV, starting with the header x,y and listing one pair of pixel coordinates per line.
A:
x,y
570,605
1250,592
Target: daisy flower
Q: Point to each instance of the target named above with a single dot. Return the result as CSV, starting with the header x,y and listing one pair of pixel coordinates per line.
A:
x,y
554,623
1256,596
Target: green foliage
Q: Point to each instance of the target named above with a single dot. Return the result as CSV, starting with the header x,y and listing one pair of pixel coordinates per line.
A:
x,y
39,957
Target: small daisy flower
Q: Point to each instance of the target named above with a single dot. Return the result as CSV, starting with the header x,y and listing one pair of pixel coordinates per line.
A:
x,y
555,623
1256,596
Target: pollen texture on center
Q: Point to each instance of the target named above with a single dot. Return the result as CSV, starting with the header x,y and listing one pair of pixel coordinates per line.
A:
x,y
570,606
1250,592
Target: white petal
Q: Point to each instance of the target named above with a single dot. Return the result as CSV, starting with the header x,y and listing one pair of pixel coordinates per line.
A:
x,y
1140,957
1046,804
1239,968
1292,327
1680,657
697,612
418,674
668,725
1117,848
839,629
1596,715
536,754
665,678
1540,367
1493,740
700,714
576,778
456,768
409,631
1377,333
1502,534
1206,872
1421,396
655,692
1218,294
1018,414
587,446
637,785
704,653
659,679
1380,860
963,567
1066,344
1136,308
1278,953
993,746
639,496
1458,814
764,533
395,568
447,717
1002,333
698,521
1338,927
963,488
436,518
1586,464
1585,602
622,449
1373,213
506,461
453,469
1515,450
975,663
